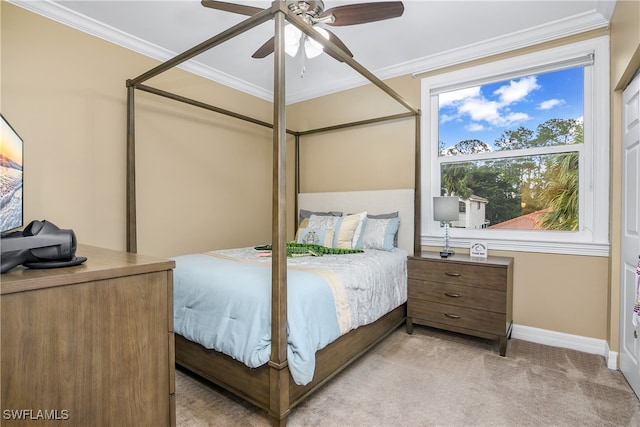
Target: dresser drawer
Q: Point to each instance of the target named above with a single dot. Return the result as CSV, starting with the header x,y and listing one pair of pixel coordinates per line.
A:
x,y
464,296
451,315
481,276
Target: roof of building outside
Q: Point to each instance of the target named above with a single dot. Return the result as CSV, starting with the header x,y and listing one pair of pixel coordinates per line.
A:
x,y
524,222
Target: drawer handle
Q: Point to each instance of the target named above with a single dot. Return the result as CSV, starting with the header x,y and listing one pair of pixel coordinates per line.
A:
x,y
452,316
452,274
452,295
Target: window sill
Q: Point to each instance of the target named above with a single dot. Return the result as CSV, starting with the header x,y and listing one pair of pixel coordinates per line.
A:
x,y
564,248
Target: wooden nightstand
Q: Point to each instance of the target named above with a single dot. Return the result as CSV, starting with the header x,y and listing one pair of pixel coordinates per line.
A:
x,y
472,296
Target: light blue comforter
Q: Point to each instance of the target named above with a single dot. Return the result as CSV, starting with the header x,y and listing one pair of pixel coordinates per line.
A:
x,y
226,306
222,300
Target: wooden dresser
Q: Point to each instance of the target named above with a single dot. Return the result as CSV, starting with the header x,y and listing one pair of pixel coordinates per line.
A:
x,y
90,345
462,294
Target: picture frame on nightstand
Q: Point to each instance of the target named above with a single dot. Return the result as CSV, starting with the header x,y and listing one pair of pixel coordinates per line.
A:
x,y
478,249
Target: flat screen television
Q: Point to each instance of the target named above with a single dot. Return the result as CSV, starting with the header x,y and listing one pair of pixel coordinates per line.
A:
x,y
11,178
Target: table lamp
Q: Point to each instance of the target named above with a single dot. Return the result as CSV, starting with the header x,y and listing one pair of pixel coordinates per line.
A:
x,y
445,210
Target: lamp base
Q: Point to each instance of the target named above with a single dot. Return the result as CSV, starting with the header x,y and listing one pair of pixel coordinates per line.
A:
x,y
445,253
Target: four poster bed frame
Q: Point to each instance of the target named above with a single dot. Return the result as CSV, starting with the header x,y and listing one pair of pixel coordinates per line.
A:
x,y
270,386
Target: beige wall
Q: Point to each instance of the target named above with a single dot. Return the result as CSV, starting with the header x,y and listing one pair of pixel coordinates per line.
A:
x,y
379,156
64,92
625,60
562,293
204,180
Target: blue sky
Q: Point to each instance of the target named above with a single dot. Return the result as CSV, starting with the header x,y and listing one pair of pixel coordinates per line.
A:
x,y
485,112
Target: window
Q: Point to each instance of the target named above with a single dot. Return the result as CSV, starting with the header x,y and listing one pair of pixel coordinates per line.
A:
x,y
524,140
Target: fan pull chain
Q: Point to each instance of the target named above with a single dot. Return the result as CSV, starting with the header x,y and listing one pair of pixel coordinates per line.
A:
x,y
303,58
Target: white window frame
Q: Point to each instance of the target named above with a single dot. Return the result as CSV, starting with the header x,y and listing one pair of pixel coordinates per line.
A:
x,y
593,236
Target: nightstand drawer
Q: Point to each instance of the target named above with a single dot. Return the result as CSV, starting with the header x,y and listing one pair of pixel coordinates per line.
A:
x,y
466,296
445,314
458,273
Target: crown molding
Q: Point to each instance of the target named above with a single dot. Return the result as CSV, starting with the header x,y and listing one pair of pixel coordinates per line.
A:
x,y
593,20
596,19
574,25
66,16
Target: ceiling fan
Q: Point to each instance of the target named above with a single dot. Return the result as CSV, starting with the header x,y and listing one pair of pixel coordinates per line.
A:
x,y
313,12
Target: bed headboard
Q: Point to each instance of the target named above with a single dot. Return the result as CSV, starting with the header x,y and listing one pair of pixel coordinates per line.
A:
x,y
373,202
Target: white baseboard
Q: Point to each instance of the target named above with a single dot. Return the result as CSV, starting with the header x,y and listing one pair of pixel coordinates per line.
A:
x,y
612,357
562,340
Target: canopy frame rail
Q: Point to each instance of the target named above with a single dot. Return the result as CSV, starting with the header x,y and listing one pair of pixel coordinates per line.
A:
x,y
206,106
220,38
336,51
247,24
357,123
131,214
279,406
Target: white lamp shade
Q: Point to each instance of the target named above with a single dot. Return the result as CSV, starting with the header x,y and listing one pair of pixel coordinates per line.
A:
x,y
293,36
446,208
311,47
291,39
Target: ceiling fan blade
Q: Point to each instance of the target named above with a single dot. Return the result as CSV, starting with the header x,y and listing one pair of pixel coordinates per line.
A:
x,y
361,13
339,43
231,7
266,49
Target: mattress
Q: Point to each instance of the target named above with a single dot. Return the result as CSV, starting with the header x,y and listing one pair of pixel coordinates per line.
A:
x,y
222,301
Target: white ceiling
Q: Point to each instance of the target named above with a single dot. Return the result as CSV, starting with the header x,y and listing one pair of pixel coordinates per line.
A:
x,y
430,34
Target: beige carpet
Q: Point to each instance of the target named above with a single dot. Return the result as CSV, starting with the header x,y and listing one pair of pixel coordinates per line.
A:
x,y
434,378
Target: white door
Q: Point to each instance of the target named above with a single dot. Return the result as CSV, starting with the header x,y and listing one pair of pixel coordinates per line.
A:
x,y
630,333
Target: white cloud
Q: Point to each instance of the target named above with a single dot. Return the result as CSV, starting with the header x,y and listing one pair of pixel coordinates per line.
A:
x,y
471,102
474,127
512,118
480,109
550,103
451,98
516,90
444,118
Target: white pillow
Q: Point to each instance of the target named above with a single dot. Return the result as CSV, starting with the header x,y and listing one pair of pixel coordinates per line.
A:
x,y
358,233
323,222
315,236
345,227
379,233
346,230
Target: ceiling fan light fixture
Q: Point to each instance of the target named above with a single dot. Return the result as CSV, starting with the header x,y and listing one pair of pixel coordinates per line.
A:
x,y
313,12
292,37
311,47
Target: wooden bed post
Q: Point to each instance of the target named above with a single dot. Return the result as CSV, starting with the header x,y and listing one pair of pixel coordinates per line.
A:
x,y
278,372
132,241
417,192
297,180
